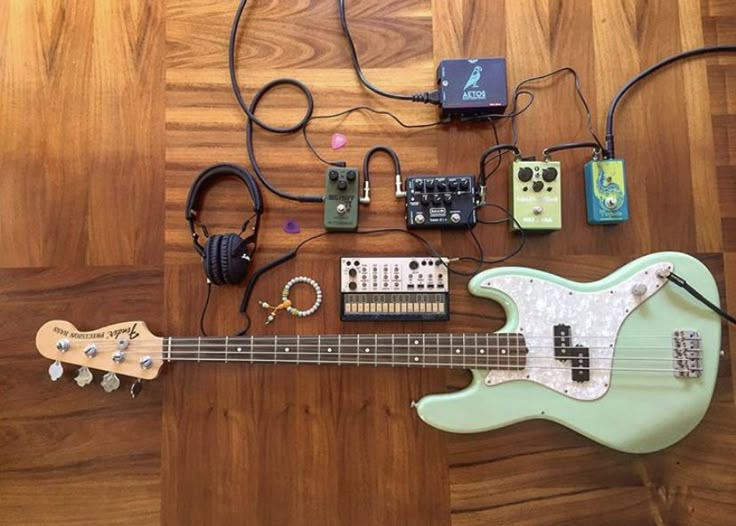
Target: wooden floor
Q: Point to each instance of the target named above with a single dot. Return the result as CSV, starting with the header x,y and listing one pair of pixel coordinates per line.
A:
x,y
110,109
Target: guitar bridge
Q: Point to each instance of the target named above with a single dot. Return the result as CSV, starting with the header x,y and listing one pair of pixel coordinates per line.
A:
x,y
687,354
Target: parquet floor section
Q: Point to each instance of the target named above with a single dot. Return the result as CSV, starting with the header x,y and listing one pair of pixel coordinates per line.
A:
x,y
110,109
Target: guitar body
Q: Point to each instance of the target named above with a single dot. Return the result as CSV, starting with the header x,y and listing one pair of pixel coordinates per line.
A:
x,y
632,401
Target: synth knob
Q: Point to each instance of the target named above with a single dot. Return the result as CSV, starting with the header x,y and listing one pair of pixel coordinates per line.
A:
x,y
429,184
91,350
63,345
352,272
549,174
333,175
537,186
419,219
525,174
413,264
342,184
352,285
447,198
453,185
455,218
352,174
118,357
146,362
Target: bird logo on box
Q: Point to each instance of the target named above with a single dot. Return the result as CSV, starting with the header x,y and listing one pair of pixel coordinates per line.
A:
x,y
473,79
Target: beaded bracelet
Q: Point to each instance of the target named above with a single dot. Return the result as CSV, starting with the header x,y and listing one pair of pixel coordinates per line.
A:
x,y
286,303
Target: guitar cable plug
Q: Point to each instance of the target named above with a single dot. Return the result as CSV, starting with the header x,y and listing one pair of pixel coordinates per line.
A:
x,y
677,280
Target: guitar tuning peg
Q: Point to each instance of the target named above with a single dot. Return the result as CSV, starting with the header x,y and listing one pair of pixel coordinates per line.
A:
x,y
56,370
110,382
136,388
84,376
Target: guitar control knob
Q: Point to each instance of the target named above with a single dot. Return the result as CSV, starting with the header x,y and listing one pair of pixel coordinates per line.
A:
x,y
453,184
90,351
342,184
352,174
63,345
455,218
447,198
639,289
419,219
537,186
429,184
549,174
118,357
332,175
524,174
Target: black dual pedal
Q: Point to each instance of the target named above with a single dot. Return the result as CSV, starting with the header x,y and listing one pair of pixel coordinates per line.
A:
x,y
441,201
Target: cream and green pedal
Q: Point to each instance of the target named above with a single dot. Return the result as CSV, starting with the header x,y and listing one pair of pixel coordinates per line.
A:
x,y
629,361
535,198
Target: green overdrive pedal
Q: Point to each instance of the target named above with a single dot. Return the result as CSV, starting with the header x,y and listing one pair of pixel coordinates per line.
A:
x,y
341,198
535,195
605,192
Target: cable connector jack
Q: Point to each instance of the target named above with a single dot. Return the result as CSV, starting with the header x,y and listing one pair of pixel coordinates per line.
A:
x,y
366,198
481,195
400,192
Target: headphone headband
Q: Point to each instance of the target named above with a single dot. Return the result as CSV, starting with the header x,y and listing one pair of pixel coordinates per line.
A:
x,y
204,179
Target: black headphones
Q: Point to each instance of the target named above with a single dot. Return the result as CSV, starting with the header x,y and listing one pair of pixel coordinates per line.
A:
x,y
225,257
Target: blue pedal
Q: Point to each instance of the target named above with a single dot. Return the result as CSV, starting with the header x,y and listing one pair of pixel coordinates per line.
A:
x,y
605,192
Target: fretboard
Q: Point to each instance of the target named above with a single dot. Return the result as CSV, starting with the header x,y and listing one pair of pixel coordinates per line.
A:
x,y
465,351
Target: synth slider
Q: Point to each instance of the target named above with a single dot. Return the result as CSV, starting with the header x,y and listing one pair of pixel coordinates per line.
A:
x,y
393,289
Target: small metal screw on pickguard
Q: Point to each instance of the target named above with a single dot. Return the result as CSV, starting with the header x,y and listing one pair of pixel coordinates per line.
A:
x,y
84,377
110,382
56,370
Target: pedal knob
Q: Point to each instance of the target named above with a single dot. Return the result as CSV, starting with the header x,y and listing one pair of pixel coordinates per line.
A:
x,y
525,174
537,210
465,184
333,175
424,199
537,186
429,184
441,186
436,199
419,219
342,184
418,185
455,218
453,185
352,174
611,202
447,198
549,174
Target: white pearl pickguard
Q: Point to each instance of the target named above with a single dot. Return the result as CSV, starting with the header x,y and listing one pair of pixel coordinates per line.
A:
x,y
595,319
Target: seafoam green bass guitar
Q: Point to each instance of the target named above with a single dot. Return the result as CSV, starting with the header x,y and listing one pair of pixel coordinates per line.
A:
x,y
629,361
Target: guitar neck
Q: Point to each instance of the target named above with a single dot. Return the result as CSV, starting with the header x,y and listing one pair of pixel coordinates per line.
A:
x,y
463,351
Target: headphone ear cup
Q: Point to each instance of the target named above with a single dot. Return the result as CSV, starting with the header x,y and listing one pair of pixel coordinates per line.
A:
x,y
233,267
212,260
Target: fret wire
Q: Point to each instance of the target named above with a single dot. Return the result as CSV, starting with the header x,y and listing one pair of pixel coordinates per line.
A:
x,y
375,351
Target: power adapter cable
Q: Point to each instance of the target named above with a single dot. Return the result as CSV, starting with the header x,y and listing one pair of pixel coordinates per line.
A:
x,y
609,151
250,110
427,97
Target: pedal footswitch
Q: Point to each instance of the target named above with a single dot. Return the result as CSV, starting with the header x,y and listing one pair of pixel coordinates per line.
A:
x,y
606,202
535,195
440,201
394,289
